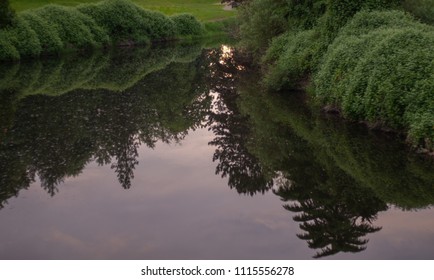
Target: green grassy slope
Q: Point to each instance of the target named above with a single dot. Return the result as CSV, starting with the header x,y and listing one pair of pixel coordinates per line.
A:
x,y
204,10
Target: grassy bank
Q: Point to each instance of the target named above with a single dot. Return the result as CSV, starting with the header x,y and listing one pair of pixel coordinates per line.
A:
x,y
55,29
204,10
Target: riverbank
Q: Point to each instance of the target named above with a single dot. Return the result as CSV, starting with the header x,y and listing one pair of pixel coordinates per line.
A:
x,y
371,62
54,29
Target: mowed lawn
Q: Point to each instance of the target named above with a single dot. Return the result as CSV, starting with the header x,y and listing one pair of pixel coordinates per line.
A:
x,y
204,10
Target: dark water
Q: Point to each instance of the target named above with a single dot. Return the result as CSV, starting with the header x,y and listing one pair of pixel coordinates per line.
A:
x,y
175,153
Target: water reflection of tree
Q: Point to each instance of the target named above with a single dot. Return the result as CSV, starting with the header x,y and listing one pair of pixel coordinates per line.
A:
x,y
316,174
231,129
54,137
334,213
262,136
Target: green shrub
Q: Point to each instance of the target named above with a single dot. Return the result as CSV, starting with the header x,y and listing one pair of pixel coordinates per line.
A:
x,y
53,29
379,69
24,38
75,29
159,27
420,113
337,68
7,50
125,21
367,21
389,72
47,34
339,12
120,19
7,15
290,59
305,14
187,24
261,21
359,36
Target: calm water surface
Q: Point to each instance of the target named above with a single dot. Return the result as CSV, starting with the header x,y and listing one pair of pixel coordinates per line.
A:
x,y
175,153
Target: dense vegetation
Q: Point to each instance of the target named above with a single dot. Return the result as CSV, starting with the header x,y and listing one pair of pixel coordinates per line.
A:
x,y
6,13
371,60
53,29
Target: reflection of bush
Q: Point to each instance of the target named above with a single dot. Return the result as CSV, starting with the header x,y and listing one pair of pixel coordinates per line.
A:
x,y
370,161
335,177
55,136
117,70
53,29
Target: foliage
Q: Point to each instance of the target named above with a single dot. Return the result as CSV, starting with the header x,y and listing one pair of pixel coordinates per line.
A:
x,y
187,24
394,66
366,58
124,21
7,49
422,9
7,15
75,29
339,12
53,29
289,59
305,14
46,32
22,37
261,20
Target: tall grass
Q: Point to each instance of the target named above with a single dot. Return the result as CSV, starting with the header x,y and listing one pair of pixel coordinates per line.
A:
x,y
53,29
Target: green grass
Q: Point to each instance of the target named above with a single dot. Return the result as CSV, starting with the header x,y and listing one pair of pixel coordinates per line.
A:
x,y
204,10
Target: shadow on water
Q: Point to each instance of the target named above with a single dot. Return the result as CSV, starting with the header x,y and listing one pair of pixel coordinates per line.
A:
x,y
333,177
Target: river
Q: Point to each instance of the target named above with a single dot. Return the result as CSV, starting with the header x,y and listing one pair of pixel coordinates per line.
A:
x,y
176,153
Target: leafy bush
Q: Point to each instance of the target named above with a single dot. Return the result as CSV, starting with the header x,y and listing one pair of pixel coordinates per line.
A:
x,y
290,59
125,21
7,50
23,38
75,29
305,14
187,24
53,29
159,27
7,15
420,113
47,34
261,21
357,38
389,82
339,12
